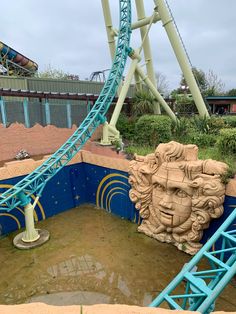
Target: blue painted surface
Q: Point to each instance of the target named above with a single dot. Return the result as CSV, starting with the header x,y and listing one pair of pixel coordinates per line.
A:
x,y
85,183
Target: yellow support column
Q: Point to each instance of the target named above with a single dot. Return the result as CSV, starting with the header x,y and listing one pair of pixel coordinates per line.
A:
x,y
147,49
181,56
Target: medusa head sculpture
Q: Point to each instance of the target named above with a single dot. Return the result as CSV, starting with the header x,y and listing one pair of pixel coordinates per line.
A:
x,y
176,194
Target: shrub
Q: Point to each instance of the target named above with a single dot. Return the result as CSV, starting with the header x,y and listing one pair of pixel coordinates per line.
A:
x,y
126,126
200,124
226,142
216,124
143,103
180,129
201,139
230,121
153,130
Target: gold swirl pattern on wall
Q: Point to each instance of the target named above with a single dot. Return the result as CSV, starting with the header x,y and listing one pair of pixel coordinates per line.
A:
x,y
101,190
8,186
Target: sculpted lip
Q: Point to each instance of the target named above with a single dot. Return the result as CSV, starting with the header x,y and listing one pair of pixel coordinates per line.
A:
x,y
166,213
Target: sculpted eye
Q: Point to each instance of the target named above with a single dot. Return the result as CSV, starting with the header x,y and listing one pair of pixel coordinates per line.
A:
x,y
159,187
181,193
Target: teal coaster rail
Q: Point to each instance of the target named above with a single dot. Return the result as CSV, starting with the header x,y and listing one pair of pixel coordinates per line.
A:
x,y
34,183
194,289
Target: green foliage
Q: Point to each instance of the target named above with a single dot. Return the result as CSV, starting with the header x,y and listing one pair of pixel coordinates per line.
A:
x,y
216,124
200,139
201,124
143,103
230,121
126,126
52,73
153,130
230,173
140,150
226,142
118,144
231,92
181,128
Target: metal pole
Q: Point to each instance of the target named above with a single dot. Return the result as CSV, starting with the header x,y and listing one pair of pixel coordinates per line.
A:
x,y
147,49
146,21
181,56
156,94
3,112
30,234
26,112
110,31
123,92
68,115
109,28
47,112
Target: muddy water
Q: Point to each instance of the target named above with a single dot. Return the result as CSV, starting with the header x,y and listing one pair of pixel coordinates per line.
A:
x,y
92,257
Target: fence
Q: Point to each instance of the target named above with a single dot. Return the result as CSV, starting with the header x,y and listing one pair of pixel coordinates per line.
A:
x,y
45,110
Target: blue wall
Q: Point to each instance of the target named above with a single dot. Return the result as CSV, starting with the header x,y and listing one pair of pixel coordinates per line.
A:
x,y
72,186
85,183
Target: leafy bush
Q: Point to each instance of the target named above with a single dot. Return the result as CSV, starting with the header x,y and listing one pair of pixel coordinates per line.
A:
x,y
200,139
181,128
216,124
126,126
200,124
143,103
230,121
226,142
153,130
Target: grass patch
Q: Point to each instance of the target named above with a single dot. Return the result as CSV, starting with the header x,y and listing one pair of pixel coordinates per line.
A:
x,y
203,153
139,150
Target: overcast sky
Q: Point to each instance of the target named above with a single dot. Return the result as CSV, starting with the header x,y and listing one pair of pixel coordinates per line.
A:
x,y
70,35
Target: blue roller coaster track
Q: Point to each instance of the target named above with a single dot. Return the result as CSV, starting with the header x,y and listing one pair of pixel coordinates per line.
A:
x,y
194,289
34,183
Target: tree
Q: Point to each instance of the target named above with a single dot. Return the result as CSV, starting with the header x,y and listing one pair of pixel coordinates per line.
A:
x,y
215,86
200,78
52,73
162,83
231,92
209,83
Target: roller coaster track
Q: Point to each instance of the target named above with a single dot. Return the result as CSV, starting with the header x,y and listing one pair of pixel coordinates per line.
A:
x,y
35,182
197,290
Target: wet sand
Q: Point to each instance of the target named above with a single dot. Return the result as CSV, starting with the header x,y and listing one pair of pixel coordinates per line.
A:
x,y
92,257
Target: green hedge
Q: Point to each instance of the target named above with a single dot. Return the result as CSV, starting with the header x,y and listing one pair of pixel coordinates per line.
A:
x,y
230,121
226,141
153,130
200,139
126,126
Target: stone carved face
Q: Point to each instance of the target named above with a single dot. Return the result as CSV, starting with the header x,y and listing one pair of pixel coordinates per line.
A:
x,y
176,194
172,196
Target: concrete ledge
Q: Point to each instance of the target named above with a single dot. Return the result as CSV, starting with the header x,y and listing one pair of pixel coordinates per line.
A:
x,y
41,308
23,167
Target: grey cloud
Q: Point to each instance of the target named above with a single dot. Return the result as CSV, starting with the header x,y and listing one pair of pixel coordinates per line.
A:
x,y
70,35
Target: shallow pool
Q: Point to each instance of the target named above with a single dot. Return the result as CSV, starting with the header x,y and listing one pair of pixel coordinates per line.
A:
x,y
92,257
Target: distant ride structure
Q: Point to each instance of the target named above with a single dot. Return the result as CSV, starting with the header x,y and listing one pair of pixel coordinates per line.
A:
x,y
14,63
144,74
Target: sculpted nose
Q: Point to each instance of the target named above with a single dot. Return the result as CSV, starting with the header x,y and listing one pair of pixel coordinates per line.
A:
x,y
166,202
